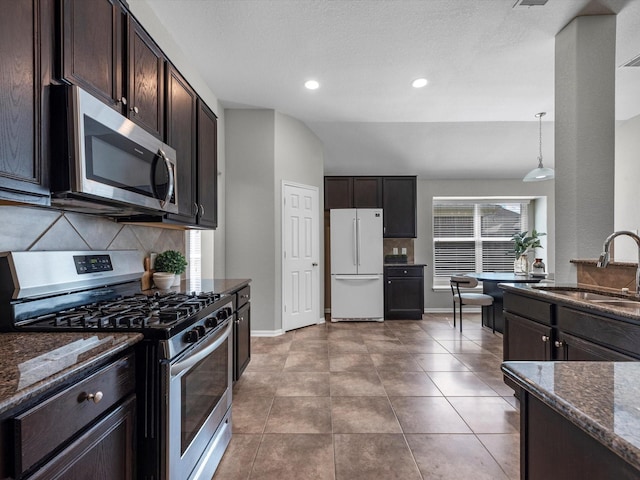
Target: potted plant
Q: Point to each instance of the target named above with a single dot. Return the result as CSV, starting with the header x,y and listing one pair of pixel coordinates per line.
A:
x,y
169,265
522,244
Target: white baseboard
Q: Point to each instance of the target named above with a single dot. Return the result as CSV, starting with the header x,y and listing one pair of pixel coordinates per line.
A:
x,y
267,333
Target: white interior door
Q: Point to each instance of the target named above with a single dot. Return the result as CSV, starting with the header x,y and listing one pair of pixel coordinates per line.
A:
x,y
300,256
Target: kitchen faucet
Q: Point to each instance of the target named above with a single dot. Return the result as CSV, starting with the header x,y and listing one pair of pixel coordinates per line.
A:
x,y
603,261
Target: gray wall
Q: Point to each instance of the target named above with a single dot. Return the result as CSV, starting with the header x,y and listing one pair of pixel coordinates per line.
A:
x,y
263,148
427,189
627,179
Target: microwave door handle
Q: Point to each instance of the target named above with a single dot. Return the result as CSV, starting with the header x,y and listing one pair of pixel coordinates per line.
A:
x,y
167,163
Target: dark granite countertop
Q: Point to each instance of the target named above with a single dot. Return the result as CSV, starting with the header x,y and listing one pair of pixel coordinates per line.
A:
x,y
31,363
223,286
405,264
601,398
548,293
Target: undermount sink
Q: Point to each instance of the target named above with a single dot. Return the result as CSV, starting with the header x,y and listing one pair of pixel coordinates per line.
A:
x,y
619,303
597,298
582,295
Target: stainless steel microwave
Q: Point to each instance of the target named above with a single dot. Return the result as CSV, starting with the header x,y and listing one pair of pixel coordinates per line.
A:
x,y
103,163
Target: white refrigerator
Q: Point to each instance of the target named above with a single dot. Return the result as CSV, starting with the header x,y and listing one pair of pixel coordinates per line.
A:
x,y
357,289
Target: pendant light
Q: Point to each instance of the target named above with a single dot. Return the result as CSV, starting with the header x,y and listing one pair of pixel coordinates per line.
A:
x,y
541,173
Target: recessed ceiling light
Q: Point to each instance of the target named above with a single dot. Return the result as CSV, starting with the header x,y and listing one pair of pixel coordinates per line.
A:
x,y
419,83
311,84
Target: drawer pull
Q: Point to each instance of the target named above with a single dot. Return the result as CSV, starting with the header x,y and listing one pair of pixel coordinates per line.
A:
x,y
559,343
91,397
545,338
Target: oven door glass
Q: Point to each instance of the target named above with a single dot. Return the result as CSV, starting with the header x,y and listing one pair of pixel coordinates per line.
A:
x,y
202,389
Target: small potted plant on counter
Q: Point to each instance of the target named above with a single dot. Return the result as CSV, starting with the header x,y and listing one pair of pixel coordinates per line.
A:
x,y
522,244
169,265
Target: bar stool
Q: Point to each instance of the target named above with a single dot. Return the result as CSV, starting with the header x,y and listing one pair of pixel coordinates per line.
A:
x,y
482,299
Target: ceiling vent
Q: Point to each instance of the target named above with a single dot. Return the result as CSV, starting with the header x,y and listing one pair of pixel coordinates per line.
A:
x,y
634,62
530,3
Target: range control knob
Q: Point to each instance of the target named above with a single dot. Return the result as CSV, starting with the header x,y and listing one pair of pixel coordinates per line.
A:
x,y
211,322
201,330
222,314
191,336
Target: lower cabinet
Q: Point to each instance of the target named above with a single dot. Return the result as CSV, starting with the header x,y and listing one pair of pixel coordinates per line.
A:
x,y
242,332
553,448
404,292
103,452
525,339
86,430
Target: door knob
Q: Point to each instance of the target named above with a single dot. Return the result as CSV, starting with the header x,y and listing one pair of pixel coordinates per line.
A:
x,y
314,264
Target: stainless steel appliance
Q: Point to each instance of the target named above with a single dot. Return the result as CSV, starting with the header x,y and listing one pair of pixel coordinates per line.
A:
x,y
104,163
184,363
357,264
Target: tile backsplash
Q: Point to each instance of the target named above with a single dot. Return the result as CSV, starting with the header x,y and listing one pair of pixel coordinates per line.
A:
x,y
390,243
27,228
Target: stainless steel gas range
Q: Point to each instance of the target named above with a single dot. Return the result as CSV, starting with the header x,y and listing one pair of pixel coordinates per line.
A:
x,y
184,363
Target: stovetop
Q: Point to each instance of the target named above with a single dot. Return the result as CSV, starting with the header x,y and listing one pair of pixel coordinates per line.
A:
x,y
53,291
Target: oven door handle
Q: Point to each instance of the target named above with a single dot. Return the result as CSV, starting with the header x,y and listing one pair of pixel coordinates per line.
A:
x,y
205,350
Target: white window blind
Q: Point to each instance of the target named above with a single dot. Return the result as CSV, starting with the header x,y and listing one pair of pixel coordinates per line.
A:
x,y
474,235
194,254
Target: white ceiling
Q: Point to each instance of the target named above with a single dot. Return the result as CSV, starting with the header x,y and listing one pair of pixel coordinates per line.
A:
x,y
490,67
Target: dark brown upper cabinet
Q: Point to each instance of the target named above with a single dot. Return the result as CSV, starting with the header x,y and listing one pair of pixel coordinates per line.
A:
x,y
146,81
352,192
338,192
181,135
367,192
207,191
399,200
106,52
92,48
25,55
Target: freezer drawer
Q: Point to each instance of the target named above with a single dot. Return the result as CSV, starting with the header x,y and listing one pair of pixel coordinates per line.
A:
x,y
357,297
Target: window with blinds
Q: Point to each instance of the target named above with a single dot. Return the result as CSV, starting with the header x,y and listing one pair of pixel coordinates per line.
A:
x,y
474,235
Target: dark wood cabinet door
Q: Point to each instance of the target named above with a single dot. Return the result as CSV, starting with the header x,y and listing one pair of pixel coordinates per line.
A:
x,y
146,81
569,347
399,198
92,47
207,167
181,135
242,341
403,293
104,452
367,192
22,170
553,448
338,192
526,340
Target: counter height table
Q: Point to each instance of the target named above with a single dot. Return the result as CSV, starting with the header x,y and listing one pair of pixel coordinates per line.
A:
x,y
490,281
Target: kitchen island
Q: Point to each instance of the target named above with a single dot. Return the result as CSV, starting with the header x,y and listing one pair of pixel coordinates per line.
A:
x,y
578,420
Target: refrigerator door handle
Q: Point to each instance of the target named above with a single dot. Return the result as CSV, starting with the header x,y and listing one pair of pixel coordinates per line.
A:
x,y
355,243
359,241
356,277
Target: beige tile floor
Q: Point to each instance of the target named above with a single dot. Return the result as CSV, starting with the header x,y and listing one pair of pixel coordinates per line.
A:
x,y
394,400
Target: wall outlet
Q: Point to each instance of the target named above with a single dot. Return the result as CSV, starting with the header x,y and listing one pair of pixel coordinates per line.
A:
x,y
404,251
395,251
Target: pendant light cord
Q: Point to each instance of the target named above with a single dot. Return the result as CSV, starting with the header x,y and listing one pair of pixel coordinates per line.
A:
x,y
540,115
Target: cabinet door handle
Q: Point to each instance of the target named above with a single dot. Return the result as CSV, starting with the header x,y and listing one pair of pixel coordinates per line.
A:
x,y
91,397
195,207
559,343
135,110
545,338
201,210
123,100
389,282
